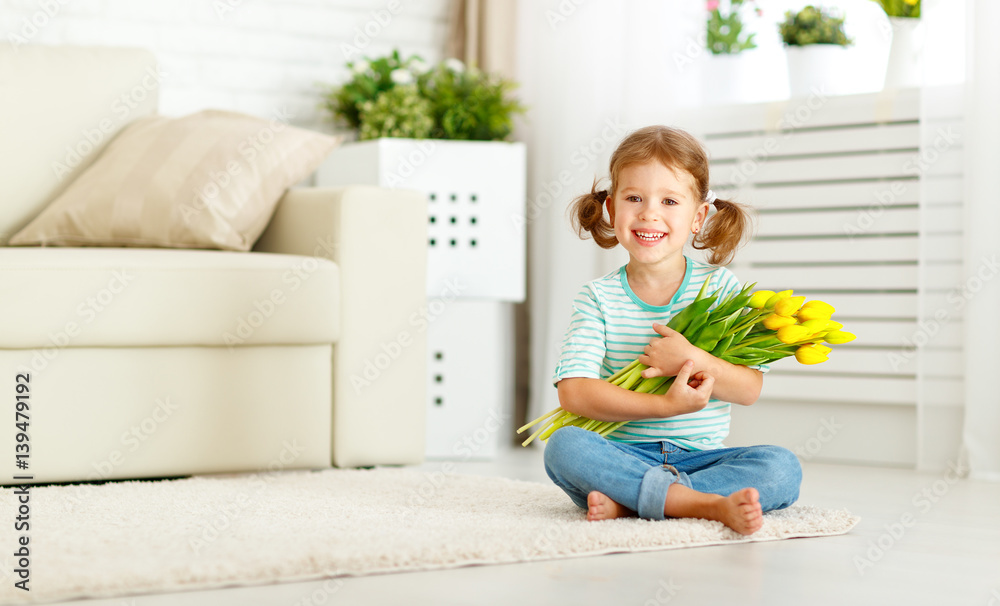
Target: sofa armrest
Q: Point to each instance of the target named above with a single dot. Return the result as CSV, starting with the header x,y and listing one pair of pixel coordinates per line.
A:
x,y
378,238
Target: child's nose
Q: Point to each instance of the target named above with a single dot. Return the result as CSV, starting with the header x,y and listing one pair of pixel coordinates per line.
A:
x,y
648,212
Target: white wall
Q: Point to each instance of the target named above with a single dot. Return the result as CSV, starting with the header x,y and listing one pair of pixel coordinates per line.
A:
x,y
252,56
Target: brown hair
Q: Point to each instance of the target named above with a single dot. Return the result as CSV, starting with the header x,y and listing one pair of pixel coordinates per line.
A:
x,y
724,233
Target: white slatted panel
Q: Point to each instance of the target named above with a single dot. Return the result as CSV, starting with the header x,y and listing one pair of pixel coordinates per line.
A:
x,y
850,199
817,431
868,195
940,398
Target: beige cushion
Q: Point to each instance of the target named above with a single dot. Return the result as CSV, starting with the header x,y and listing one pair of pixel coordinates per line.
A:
x,y
118,297
207,180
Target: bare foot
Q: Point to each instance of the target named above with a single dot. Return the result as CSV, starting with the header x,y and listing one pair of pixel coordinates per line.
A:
x,y
741,511
601,507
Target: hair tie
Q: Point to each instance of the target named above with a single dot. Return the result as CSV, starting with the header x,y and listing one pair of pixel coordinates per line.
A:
x,y
710,197
602,195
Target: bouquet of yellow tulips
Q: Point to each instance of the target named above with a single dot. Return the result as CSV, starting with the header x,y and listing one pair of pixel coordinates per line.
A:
x,y
743,328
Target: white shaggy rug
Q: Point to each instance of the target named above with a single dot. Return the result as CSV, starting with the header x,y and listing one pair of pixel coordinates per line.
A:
x,y
195,533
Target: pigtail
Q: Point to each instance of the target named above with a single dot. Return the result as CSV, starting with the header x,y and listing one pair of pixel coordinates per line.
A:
x,y
726,231
588,215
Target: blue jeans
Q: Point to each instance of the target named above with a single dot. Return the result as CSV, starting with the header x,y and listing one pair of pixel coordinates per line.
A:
x,y
639,475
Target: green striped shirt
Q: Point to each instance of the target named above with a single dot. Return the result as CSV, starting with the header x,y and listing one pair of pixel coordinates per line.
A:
x,y
609,328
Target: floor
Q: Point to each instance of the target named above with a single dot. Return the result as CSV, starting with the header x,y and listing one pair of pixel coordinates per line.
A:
x,y
923,539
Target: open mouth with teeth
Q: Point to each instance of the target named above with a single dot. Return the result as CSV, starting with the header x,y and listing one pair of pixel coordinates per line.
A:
x,y
648,237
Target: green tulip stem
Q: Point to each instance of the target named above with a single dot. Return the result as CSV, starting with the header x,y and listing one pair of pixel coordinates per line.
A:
x,y
747,320
534,435
550,413
621,373
751,341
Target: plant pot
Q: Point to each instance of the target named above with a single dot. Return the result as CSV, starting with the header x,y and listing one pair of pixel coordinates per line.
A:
x,y
905,68
818,69
747,77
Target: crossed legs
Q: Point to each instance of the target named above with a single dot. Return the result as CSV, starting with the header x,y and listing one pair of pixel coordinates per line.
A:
x,y
731,485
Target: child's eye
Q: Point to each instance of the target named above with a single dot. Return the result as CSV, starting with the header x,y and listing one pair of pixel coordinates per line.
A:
x,y
669,202
633,199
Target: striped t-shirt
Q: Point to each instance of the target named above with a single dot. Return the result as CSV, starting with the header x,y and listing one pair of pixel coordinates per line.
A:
x,y
611,326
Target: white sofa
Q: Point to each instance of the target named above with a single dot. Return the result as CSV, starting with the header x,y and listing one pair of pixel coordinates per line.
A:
x,y
163,362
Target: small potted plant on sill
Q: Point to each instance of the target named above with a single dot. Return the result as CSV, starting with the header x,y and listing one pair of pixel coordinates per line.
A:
x,y
730,76
905,66
815,45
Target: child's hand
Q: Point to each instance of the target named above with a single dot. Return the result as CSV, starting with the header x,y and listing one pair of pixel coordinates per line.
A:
x,y
666,355
689,393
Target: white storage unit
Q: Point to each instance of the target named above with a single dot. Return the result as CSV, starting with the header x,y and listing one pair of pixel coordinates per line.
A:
x,y
475,271
471,365
476,197
859,201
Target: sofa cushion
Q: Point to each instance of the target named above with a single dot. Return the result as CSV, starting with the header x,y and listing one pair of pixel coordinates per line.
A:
x,y
207,180
53,298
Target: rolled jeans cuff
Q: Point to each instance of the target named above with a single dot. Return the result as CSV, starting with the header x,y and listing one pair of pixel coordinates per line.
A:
x,y
653,493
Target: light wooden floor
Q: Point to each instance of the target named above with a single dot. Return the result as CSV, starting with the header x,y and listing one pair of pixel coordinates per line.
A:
x,y
922,540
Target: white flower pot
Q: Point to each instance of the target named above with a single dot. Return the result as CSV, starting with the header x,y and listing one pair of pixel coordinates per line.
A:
x,y
746,77
905,68
818,69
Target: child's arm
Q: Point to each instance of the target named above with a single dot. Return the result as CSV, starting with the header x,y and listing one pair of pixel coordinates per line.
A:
x,y
733,383
600,400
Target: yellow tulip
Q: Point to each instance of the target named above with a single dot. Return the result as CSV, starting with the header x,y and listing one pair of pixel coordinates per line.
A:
x,y
836,337
788,307
809,354
760,299
777,297
793,333
815,310
774,321
816,326
833,325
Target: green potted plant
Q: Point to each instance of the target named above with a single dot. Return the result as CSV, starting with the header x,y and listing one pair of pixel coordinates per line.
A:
x,y
393,96
731,72
816,46
905,28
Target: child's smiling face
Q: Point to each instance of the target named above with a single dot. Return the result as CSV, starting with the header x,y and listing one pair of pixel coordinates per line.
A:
x,y
654,210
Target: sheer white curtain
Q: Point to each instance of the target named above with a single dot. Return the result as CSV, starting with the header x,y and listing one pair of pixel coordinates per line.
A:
x,y
982,247
590,73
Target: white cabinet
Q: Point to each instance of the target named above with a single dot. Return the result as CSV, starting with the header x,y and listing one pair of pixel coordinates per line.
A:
x,y
475,272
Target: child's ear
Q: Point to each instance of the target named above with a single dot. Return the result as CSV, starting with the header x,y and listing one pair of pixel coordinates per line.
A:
x,y
610,205
702,213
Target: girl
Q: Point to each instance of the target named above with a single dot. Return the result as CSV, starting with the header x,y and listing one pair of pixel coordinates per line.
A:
x,y
669,461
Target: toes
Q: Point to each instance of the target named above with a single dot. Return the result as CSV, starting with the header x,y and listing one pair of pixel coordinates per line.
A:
x,y
748,496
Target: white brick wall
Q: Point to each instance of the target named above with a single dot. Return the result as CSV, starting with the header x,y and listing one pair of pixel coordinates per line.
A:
x,y
252,56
